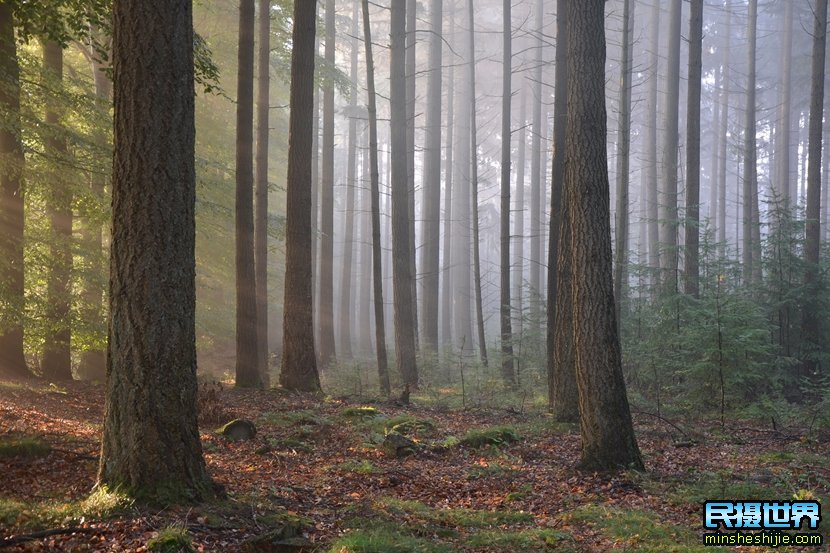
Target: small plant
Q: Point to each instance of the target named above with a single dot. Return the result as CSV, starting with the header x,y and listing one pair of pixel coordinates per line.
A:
x,y
497,435
360,412
172,539
26,447
359,467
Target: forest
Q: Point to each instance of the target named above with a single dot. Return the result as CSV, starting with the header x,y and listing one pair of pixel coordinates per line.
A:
x,y
413,276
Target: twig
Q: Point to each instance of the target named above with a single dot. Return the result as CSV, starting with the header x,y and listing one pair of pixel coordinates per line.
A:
x,y
44,534
667,421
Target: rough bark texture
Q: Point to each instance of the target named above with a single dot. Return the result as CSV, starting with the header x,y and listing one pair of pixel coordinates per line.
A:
x,y
750,165
377,268
299,363
812,315
562,396
507,371
432,184
326,252
692,227
12,361
151,443
402,289
261,188
57,359
608,440
246,317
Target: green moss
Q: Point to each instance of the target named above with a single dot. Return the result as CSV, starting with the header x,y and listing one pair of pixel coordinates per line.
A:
x,y
491,469
497,435
364,412
24,446
172,539
359,467
409,426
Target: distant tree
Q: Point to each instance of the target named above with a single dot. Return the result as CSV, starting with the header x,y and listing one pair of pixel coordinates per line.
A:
x,y
508,373
261,187
151,445
751,262
449,169
534,259
519,220
811,324
247,373
57,360
410,71
692,226
783,134
299,362
326,252
651,157
724,129
377,268
404,331
608,440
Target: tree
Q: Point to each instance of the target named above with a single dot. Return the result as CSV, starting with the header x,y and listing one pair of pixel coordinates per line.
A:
x,y
507,371
783,134
446,254
410,70
812,316
432,184
57,360
261,190
751,262
535,261
246,317
402,290
151,444
653,199
519,221
326,251
724,129
377,266
12,361
299,362
562,396
608,440
692,257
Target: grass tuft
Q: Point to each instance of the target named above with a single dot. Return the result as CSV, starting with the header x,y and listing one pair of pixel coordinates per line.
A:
x,y
24,447
172,539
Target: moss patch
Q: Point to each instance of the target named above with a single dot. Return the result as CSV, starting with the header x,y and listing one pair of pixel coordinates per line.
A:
x,y
24,446
497,435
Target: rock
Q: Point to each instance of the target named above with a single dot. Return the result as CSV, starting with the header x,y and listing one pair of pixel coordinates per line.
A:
x,y
239,430
396,444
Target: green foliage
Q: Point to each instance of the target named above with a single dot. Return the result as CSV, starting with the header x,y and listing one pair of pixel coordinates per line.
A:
x,y
172,539
24,446
360,412
358,467
100,505
497,435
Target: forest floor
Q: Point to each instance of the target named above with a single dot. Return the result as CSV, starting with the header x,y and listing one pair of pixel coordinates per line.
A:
x,y
315,468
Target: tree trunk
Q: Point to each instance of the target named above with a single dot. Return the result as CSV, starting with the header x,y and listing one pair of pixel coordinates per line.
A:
x,y
507,370
404,330
652,141
562,394
750,165
608,440
377,269
299,363
261,215
446,254
535,261
365,262
411,38
432,184
692,254
247,373
717,97
151,445
482,343
57,359
811,324
724,129
519,221
783,135
668,205
12,361
326,300
623,162
345,322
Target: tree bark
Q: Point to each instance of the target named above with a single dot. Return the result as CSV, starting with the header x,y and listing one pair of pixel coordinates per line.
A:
x,y
750,165
261,191
652,159
12,360
535,261
507,371
519,221
692,254
783,135
411,39
299,363
724,129
151,445
247,373
446,265
608,440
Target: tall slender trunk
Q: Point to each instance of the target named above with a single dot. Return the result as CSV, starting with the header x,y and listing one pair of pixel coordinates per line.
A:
x,y
326,301
411,40
402,277
623,163
724,130
750,165
508,373
519,221
261,190
652,141
692,256
446,254
366,269
247,373
377,267
783,135
537,133
432,184
12,360
717,97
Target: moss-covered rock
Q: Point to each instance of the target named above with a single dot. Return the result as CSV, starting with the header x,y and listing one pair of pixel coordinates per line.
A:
x,y
239,430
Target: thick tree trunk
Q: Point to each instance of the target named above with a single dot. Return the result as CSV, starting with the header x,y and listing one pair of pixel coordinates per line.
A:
x,y
432,184
261,191
299,363
562,394
247,373
692,226
402,277
750,165
151,445
623,163
608,440
12,361
57,359
811,324
377,269
507,371
326,299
